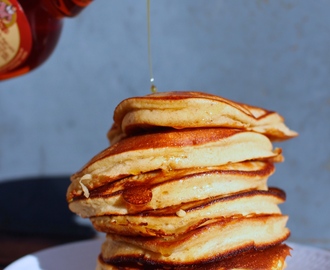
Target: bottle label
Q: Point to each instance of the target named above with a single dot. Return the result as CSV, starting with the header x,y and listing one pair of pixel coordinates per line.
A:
x,y
15,35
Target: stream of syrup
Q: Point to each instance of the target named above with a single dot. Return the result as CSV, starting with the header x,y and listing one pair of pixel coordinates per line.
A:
x,y
153,88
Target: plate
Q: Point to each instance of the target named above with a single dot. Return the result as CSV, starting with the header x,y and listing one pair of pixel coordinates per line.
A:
x,y
82,256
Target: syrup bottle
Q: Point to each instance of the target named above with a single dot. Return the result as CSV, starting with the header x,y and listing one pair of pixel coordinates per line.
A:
x,y
30,30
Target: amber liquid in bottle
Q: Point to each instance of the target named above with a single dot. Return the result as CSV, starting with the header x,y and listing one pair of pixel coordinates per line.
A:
x,y
46,20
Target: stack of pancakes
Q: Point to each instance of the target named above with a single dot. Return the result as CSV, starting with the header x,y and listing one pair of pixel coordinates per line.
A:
x,y
184,185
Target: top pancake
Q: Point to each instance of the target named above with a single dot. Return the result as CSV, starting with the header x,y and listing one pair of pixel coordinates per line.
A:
x,y
193,110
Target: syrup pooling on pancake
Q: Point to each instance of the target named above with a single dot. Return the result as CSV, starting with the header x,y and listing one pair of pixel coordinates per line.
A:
x,y
184,184
202,183
182,218
172,150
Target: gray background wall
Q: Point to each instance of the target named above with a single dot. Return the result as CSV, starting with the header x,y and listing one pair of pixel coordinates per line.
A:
x,y
273,54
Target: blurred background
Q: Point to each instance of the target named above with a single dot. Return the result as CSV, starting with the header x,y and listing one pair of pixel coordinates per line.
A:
x,y
272,54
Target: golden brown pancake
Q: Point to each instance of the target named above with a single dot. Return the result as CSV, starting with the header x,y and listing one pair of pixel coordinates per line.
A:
x,y
172,150
248,171
183,218
160,189
193,110
272,258
208,243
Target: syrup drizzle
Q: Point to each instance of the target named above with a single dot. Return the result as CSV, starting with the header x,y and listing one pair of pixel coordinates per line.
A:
x,y
153,88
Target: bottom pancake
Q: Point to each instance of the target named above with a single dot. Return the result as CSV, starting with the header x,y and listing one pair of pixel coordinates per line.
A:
x,y
272,258
212,242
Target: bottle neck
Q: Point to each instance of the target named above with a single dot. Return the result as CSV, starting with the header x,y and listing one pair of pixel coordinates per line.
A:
x,y
65,8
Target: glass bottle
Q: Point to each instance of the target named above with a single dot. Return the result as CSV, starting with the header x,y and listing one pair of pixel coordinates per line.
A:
x,y
30,30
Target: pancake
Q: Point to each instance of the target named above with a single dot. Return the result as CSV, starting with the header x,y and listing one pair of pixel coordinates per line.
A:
x,y
183,218
214,241
172,150
270,258
193,110
160,189
183,185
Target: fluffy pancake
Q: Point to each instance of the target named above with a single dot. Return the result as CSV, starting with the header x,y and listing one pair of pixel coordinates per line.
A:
x,y
183,218
187,148
205,244
270,258
193,110
184,185
160,189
